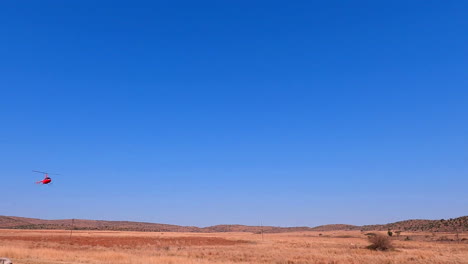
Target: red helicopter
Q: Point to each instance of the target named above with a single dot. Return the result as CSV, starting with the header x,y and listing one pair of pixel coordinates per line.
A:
x,y
46,179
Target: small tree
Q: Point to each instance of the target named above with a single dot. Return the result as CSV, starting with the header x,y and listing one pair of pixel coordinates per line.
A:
x,y
389,232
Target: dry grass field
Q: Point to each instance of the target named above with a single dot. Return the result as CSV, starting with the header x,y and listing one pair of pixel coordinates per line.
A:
x,y
56,247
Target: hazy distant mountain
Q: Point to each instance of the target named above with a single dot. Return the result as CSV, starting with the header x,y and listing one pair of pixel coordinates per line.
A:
x,y
13,222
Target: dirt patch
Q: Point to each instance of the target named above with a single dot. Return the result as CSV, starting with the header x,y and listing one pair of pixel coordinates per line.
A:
x,y
129,241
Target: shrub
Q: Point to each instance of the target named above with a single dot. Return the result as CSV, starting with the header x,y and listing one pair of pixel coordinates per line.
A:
x,y
380,242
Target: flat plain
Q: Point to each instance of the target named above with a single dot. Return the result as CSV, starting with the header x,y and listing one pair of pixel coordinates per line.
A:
x,y
124,247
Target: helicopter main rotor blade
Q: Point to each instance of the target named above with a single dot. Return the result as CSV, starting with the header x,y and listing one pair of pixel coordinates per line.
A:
x,y
46,172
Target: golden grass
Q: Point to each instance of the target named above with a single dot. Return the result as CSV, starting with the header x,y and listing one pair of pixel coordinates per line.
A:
x,y
54,246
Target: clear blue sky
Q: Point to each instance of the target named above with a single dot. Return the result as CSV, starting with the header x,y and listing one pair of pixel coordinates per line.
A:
x,y
235,112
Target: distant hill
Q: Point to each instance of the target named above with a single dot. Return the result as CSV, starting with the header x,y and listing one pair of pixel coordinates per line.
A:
x,y
450,225
253,229
336,227
13,222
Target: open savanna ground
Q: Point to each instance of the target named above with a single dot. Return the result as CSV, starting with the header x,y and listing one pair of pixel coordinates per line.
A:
x,y
56,246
